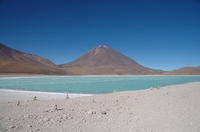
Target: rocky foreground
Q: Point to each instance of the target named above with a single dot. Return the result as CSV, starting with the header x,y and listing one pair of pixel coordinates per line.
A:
x,y
168,109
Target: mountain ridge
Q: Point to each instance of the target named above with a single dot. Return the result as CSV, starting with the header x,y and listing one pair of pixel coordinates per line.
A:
x,y
100,60
185,71
9,53
14,61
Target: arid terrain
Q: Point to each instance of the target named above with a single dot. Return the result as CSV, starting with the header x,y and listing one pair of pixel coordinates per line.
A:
x,y
173,108
100,60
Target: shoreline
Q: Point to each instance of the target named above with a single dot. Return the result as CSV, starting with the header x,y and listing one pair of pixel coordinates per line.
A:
x,y
173,108
21,95
43,75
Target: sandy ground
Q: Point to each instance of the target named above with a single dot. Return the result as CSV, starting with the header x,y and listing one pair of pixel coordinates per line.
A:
x,y
169,109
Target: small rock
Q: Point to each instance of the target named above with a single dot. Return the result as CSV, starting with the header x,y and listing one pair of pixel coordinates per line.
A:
x,y
26,116
67,97
34,98
64,117
55,107
46,110
103,113
46,119
91,112
93,100
18,103
70,117
30,126
12,126
59,117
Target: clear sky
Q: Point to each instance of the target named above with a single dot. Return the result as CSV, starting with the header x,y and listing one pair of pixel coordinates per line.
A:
x,y
159,34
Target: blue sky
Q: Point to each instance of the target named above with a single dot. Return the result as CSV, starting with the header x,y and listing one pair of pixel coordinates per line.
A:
x,y
159,34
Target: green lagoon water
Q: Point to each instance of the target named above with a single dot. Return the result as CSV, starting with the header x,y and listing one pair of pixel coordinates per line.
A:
x,y
91,84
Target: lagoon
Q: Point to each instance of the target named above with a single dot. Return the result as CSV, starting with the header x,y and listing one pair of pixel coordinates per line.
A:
x,y
91,84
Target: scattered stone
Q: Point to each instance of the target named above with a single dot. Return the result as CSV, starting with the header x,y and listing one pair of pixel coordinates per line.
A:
x,y
70,117
59,117
30,126
166,93
45,119
18,103
25,116
103,113
91,112
12,126
5,130
67,97
34,98
46,110
55,107
93,100
65,117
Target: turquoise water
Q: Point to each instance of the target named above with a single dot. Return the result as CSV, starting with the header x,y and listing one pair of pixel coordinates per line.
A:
x,y
91,84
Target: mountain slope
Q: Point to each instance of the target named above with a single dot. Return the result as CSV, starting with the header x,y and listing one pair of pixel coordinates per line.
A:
x,y
12,54
13,61
104,60
185,71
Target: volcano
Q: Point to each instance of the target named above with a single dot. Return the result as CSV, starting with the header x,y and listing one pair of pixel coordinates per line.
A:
x,y
103,60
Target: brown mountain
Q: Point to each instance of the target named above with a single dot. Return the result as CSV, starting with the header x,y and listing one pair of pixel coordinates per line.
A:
x,y
185,71
104,60
13,61
12,54
100,60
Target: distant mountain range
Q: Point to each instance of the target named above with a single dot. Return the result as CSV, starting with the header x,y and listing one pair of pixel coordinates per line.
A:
x,y
184,71
100,60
